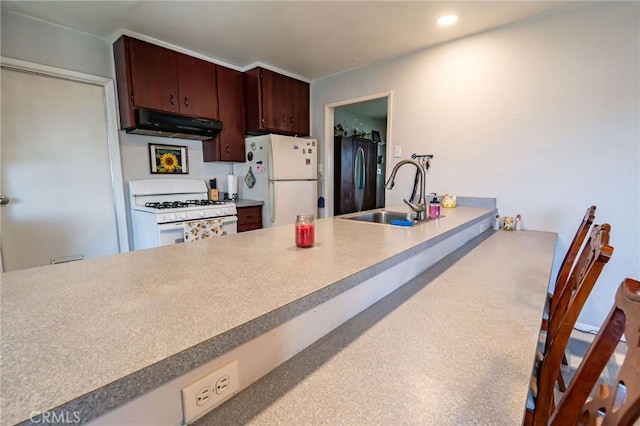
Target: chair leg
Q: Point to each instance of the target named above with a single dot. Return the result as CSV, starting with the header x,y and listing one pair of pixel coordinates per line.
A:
x,y
561,385
528,418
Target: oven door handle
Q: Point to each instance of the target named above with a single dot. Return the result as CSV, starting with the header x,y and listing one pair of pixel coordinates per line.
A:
x,y
176,225
170,226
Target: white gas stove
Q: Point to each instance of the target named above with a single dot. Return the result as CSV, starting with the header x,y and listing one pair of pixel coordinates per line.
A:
x,y
169,211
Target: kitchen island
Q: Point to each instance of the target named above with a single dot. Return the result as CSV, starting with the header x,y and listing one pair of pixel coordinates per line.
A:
x,y
92,336
454,346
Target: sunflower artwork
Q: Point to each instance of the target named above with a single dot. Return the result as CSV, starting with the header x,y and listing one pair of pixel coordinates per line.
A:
x,y
168,159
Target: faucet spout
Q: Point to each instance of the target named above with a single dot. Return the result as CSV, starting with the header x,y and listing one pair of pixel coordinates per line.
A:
x,y
421,207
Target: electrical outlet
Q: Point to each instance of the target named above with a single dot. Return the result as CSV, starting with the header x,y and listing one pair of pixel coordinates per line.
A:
x,y
208,392
397,151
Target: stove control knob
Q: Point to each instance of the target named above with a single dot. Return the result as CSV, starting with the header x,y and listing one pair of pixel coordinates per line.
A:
x,y
172,216
201,213
183,215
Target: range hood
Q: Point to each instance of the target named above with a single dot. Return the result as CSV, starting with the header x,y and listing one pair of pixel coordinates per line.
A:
x,y
153,123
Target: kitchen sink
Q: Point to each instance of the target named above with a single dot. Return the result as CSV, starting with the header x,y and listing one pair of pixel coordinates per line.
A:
x,y
383,216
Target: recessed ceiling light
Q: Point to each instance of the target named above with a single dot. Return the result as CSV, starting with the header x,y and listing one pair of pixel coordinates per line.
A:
x,y
447,19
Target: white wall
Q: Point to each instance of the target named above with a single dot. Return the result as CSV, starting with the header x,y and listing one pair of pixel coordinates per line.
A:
x,y
37,41
543,114
136,163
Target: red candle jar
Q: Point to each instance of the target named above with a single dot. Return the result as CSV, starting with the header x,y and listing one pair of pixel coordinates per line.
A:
x,y
305,230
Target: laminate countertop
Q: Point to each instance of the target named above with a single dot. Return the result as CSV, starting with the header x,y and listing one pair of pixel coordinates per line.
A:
x,y
88,336
240,203
453,346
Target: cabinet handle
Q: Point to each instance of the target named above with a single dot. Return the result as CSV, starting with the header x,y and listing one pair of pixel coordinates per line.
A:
x,y
293,119
228,149
186,102
248,216
284,118
172,100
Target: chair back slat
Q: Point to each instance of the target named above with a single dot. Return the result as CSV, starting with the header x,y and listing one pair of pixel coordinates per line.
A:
x,y
595,247
595,254
620,405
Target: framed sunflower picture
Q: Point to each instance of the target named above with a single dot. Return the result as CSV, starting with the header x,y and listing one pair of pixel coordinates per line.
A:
x,y
168,159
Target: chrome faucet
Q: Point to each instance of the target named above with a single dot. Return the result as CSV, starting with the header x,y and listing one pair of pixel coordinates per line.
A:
x,y
421,207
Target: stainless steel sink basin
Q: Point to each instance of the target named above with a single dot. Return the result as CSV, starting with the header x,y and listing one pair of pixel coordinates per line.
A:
x,y
382,216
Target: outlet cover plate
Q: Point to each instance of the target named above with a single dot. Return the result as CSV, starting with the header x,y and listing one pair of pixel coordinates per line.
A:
x,y
209,391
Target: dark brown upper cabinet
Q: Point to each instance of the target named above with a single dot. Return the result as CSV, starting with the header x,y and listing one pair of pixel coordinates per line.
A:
x,y
276,103
229,144
150,76
197,87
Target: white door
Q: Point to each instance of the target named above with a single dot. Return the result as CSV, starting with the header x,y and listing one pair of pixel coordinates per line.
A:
x,y
291,198
293,158
55,168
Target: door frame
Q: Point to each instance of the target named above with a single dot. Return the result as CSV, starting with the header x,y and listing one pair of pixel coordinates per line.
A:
x,y
113,141
327,172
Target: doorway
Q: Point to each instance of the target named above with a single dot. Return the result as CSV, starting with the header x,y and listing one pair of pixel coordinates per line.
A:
x,y
360,154
59,169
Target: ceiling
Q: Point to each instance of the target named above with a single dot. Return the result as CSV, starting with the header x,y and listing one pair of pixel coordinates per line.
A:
x,y
306,39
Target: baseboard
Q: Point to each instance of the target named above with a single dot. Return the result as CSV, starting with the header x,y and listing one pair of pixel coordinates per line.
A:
x,y
586,328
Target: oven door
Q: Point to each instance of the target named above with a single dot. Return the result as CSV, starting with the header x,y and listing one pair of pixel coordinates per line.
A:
x,y
173,233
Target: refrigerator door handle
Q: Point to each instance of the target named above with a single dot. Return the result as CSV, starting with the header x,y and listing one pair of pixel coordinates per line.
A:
x,y
272,198
270,160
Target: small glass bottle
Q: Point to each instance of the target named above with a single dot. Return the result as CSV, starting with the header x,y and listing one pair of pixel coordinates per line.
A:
x,y
518,226
496,223
305,231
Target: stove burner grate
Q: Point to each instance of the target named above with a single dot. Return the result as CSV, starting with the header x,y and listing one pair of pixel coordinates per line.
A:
x,y
179,204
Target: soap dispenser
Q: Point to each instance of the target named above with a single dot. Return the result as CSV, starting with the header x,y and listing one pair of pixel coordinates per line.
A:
x,y
434,206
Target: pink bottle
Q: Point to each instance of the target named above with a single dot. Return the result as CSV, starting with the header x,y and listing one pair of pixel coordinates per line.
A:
x,y
434,206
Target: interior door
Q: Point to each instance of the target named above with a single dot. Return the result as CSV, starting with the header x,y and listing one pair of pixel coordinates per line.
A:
x,y
55,168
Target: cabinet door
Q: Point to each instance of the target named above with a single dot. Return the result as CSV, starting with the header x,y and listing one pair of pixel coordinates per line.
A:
x,y
197,87
154,76
229,145
276,103
299,107
249,218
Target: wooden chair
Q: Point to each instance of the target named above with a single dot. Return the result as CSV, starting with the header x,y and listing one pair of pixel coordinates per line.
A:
x,y
622,405
595,254
569,260
563,276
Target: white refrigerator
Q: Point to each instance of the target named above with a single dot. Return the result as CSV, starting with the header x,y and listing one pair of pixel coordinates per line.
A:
x,y
282,171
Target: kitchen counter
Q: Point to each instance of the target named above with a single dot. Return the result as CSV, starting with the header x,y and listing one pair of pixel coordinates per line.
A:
x,y
89,336
453,346
248,203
